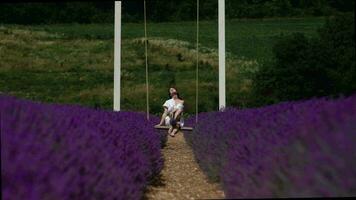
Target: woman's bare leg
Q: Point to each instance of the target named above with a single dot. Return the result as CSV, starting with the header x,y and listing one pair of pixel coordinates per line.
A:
x,y
175,130
170,130
164,115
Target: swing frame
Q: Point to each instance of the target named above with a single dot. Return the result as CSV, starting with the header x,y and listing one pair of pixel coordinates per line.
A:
x,y
117,59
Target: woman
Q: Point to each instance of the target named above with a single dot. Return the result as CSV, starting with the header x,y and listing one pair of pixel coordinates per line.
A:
x,y
173,111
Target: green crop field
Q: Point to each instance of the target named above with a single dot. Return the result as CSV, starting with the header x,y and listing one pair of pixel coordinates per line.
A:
x,y
73,63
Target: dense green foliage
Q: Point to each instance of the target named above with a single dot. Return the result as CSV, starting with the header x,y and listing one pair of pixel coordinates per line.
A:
x,y
164,10
311,67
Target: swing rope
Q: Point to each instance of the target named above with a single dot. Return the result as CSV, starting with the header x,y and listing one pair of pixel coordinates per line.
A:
x,y
197,67
197,64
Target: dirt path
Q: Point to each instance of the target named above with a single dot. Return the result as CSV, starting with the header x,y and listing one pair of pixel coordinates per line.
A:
x,y
181,177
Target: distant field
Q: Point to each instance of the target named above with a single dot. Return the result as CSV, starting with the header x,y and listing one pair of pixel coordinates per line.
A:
x,y
72,63
249,38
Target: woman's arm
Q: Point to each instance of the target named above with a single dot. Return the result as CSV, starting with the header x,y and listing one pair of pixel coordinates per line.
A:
x,y
177,113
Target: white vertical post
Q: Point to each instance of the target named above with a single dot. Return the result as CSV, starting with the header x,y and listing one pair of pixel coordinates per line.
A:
x,y
222,96
117,56
146,41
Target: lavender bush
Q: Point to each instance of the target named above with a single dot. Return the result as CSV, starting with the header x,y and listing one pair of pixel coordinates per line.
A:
x,y
292,149
53,151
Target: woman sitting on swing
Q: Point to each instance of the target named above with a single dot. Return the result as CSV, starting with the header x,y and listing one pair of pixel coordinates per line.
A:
x,y
173,111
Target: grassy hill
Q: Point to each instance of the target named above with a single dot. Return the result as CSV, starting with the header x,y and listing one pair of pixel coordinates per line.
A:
x,y
73,63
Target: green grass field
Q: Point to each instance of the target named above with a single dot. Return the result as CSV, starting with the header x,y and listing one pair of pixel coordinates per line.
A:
x,y
73,63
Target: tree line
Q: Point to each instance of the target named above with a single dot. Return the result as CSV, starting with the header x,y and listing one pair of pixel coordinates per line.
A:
x,y
164,10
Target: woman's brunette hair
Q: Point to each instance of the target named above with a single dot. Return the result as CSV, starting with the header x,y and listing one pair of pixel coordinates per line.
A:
x,y
169,93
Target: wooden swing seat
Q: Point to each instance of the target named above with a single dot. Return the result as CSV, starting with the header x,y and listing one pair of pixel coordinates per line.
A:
x,y
184,128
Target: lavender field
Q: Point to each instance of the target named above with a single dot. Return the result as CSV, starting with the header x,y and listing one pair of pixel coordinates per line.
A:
x,y
51,151
291,149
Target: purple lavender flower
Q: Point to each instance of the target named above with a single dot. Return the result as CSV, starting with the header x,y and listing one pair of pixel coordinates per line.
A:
x,y
292,149
54,151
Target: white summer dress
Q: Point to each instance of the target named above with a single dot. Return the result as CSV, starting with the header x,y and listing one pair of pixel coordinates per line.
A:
x,y
171,105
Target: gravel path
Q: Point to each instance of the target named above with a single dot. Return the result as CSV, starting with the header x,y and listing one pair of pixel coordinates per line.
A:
x,y
181,177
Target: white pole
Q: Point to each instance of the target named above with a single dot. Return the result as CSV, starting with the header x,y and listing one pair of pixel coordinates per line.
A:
x,y
147,88
117,56
222,96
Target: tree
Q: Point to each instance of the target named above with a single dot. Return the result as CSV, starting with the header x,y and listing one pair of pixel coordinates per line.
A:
x,y
304,68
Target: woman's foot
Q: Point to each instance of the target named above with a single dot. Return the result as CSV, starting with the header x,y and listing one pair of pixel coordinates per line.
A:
x,y
170,130
174,132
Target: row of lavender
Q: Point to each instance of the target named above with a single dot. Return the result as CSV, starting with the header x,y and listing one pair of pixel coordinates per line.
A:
x,y
53,151
293,149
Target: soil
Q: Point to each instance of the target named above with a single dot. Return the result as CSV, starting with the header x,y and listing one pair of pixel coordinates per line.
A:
x,y
181,176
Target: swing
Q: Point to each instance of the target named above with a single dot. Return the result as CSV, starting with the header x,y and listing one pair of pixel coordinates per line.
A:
x,y
184,128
